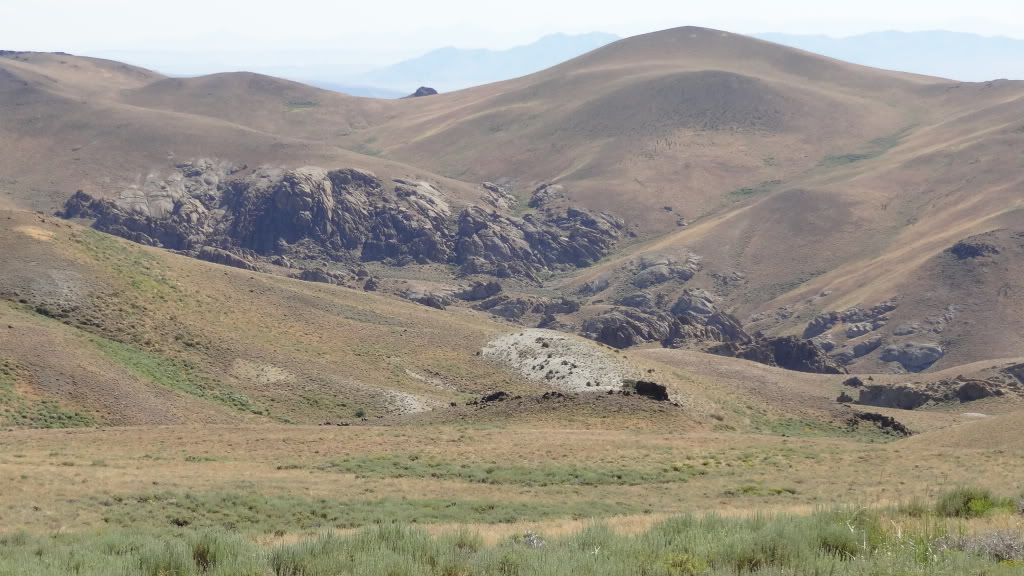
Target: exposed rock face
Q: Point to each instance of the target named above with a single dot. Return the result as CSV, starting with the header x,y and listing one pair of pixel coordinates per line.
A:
x,y
850,353
660,270
859,329
860,320
647,389
884,423
428,298
499,196
479,291
913,356
625,327
641,300
491,243
695,304
794,353
820,324
344,214
1014,372
516,307
902,397
789,352
716,327
322,275
218,256
499,396
959,389
595,286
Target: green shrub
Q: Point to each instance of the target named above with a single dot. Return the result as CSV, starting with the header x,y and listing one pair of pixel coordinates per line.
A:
x,y
966,502
842,542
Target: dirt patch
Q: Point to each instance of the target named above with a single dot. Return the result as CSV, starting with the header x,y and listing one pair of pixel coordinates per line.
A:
x,y
35,232
261,374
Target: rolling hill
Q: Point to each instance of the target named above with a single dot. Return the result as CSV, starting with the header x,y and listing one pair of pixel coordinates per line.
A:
x,y
788,193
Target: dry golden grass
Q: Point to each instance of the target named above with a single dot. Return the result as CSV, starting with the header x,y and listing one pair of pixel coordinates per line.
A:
x,y
56,479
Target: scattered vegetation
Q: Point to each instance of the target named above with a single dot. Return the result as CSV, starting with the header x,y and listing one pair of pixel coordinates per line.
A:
x,y
174,374
22,411
251,512
141,270
747,192
366,147
835,542
875,148
294,105
414,466
810,428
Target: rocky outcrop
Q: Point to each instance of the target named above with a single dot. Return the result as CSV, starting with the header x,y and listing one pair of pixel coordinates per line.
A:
x,y
341,215
654,271
423,91
491,243
595,286
821,324
641,300
695,304
714,328
479,291
1014,374
902,397
699,319
647,389
428,298
959,389
855,350
789,352
218,256
885,423
860,320
499,196
323,276
913,356
516,307
625,327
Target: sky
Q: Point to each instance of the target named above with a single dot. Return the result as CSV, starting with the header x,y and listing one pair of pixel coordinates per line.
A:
x,y
370,33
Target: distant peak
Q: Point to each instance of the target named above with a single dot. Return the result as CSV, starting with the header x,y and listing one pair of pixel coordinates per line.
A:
x,y
423,91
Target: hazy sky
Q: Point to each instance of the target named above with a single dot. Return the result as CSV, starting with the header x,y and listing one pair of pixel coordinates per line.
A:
x,y
375,31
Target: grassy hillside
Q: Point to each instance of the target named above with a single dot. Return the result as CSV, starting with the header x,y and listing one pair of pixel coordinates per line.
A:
x,y
173,339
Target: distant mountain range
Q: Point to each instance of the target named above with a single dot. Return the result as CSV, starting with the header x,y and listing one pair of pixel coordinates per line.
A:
x,y
451,68
954,55
959,56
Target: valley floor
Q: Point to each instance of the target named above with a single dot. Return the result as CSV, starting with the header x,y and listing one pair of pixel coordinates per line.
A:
x,y
343,500
266,480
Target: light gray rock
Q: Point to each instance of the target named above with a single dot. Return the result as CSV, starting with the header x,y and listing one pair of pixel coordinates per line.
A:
x,y
913,356
696,304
